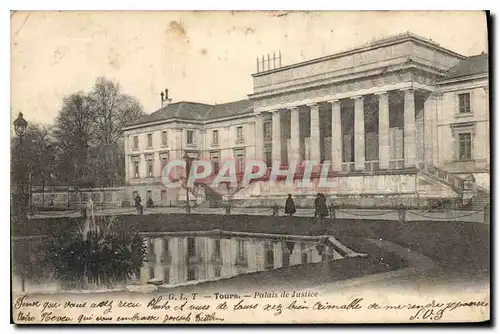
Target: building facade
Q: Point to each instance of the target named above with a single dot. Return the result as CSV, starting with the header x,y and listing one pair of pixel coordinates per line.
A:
x,y
399,119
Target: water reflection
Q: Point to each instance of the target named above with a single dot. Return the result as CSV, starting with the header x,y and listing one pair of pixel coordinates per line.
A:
x,y
176,260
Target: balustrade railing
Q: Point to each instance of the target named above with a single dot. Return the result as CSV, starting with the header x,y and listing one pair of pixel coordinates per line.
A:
x,y
347,167
396,163
442,175
372,165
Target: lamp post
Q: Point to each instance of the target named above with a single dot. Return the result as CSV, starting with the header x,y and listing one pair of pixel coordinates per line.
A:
x,y
20,126
187,158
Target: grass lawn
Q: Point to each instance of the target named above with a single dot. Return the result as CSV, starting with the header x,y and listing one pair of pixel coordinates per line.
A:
x,y
458,245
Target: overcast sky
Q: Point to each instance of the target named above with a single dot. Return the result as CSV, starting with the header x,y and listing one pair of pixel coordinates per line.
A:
x,y
204,57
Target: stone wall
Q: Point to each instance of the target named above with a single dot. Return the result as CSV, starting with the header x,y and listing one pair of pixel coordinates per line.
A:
x,y
353,190
106,197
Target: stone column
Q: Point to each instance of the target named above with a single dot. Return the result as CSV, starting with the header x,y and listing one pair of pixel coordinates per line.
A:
x,y
276,133
314,141
430,125
410,131
383,129
336,136
294,135
259,138
359,133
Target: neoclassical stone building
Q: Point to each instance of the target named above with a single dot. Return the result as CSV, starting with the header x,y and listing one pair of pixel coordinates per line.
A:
x,y
400,120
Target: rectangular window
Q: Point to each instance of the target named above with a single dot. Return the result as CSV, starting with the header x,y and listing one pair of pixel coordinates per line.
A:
x,y
215,162
163,195
215,137
191,247
136,143
150,140
164,162
465,146
464,103
164,138
267,131
239,134
217,272
190,137
136,169
150,167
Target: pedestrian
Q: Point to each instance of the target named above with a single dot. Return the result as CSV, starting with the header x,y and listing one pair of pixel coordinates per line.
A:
x,y
290,206
322,207
316,206
138,204
332,211
150,203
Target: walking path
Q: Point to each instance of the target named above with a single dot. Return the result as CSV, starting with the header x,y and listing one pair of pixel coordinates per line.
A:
x,y
370,214
422,275
418,265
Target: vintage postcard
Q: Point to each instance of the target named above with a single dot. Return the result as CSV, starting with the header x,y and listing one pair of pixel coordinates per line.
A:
x,y
250,167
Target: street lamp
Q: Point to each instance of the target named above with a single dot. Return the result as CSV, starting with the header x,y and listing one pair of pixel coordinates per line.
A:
x,y
187,158
20,126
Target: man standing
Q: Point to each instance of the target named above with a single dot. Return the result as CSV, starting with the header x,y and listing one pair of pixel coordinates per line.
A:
x,y
289,206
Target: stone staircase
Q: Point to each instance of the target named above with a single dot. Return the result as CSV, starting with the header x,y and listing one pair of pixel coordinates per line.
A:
x,y
481,197
196,193
442,177
221,193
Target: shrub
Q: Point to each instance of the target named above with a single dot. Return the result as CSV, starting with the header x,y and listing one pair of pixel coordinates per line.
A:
x,y
100,252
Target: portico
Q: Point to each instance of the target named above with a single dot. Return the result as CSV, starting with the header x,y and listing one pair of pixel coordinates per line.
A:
x,y
366,132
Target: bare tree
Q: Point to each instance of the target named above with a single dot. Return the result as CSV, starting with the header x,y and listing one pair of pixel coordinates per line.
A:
x,y
35,161
75,133
85,148
111,111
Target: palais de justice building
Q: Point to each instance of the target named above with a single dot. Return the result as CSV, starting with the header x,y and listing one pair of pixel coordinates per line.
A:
x,y
401,119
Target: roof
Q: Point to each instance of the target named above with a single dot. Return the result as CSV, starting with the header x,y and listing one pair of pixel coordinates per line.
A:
x,y
193,111
229,109
374,44
469,66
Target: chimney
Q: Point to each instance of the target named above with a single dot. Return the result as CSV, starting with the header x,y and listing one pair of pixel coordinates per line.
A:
x,y
165,100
